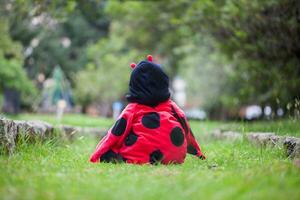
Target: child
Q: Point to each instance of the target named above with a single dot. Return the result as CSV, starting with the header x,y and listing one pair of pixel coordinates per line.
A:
x,y
152,128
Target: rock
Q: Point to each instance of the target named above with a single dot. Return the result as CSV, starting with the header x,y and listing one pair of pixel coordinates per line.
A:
x,y
276,140
292,146
261,138
266,139
72,131
10,131
8,135
68,131
35,129
217,133
92,131
227,135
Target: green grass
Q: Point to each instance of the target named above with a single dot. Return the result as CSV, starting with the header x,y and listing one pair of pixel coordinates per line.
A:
x,y
232,170
280,127
69,119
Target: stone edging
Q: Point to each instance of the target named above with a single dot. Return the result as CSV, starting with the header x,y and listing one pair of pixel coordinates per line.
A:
x,y
289,143
10,130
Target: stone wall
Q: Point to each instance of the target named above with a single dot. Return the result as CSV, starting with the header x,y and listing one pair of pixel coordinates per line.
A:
x,y
291,145
12,130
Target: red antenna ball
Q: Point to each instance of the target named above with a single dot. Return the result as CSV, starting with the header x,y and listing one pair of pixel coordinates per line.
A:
x,y
150,58
132,65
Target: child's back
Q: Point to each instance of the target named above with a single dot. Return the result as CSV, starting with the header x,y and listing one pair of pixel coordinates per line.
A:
x,y
151,128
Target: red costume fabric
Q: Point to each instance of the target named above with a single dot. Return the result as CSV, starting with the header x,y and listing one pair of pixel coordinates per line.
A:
x,y
152,128
144,134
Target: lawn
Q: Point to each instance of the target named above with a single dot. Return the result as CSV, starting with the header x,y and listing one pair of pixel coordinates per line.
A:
x,y
280,127
232,171
69,119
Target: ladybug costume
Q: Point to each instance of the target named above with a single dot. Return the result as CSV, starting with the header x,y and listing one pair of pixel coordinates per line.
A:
x,y
152,128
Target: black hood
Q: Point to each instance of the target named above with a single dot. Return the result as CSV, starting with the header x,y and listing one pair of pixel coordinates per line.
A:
x,y
149,85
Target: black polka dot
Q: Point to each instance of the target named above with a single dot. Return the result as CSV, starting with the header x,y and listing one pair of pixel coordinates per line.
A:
x,y
112,157
131,138
177,137
109,156
156,157
151,120
119,127
191,149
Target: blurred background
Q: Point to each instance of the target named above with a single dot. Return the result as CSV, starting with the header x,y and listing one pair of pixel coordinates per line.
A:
x,y
226,59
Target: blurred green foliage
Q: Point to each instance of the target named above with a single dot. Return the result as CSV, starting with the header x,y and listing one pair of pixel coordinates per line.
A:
x,y
107,72
55,32
261,41
231,53
12,73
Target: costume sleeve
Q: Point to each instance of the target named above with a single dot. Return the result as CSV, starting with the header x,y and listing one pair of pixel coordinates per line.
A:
x,y
192,145
108,148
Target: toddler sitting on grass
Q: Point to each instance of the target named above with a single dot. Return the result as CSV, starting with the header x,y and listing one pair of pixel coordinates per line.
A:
x,y
152,128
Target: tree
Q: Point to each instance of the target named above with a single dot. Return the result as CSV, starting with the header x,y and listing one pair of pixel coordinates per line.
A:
x,y
105,77
205,71
13,78
152,27
261,38
56,32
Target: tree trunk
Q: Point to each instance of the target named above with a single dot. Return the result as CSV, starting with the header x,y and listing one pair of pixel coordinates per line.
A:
x,y
11,103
